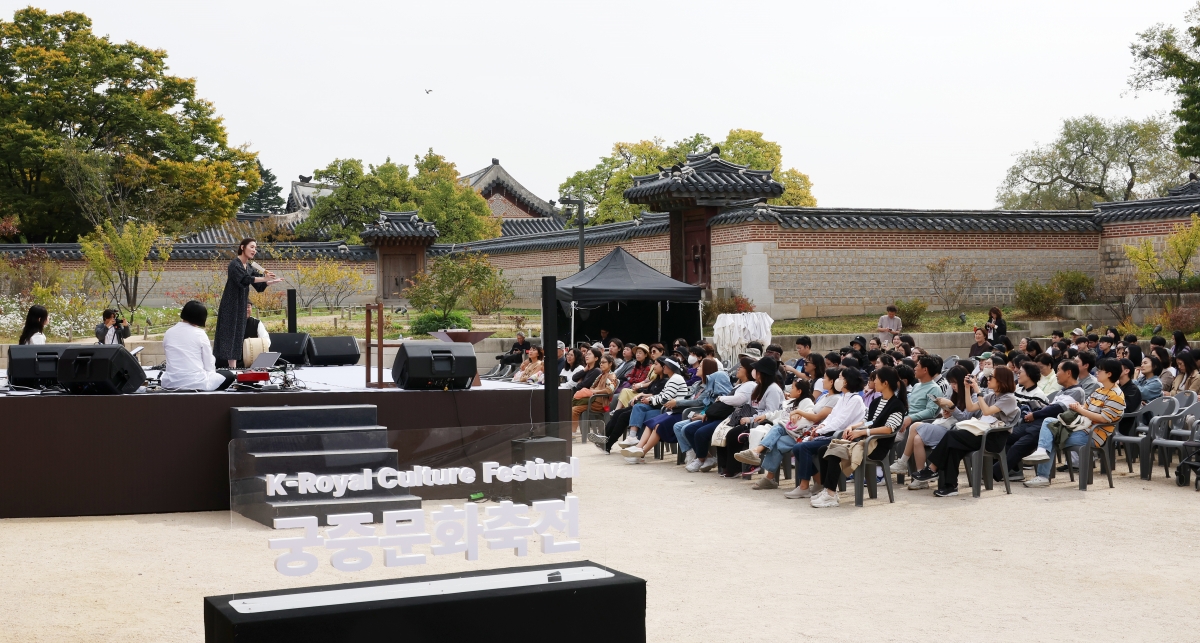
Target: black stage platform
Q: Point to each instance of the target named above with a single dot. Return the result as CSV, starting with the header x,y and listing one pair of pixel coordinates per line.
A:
x,y
72,455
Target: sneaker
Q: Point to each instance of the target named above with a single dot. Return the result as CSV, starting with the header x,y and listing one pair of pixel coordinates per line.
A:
x,y
629,441
748,456
1037,481
1062,468
694,465
915,485
1016,476
924,475
824,499
878,474
899,466
797,493
633,452
753,471
689,456
629,460
1039,455
943,493
766,483
708,465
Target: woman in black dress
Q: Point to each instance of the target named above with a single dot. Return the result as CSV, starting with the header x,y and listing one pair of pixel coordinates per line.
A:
x,y
231,316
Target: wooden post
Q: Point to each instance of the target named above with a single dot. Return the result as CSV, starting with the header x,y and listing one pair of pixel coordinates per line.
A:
x,y
380,365
367,311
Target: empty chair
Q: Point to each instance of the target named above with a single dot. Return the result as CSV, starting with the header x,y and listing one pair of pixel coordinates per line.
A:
x,y
1184,399
1164,436
1140,439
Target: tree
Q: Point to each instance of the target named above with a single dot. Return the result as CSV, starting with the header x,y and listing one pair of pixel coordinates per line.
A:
x,y
266,198
1095,160
61,84
458,211
602,186
119,257
446,280
1171,269
490,294
951,284
1166,58
357,197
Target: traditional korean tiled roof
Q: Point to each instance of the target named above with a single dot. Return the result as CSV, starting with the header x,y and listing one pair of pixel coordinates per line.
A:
x,y
529,225
232,232
647,224
489,178
705,179
1177,206
304,194
296,250
923,220
399,225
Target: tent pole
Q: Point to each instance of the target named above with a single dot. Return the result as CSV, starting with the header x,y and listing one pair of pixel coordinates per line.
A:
x,y
572,325
660,322
700,306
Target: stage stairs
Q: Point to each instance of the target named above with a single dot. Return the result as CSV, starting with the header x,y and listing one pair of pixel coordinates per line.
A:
x,y
329,441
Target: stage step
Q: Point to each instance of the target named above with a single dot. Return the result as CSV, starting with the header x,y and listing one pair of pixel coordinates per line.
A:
x,y
245,418
314,439
325,461
267,512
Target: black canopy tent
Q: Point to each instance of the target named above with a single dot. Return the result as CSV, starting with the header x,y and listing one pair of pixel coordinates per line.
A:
x,y
628,299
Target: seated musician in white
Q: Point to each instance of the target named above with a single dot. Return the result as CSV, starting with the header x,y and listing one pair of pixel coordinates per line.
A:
x,y
190,361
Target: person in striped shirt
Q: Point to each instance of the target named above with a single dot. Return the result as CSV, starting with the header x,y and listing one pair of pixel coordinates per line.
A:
x,y
1103,407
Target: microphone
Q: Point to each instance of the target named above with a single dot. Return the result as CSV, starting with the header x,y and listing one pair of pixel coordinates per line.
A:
x,y
258,267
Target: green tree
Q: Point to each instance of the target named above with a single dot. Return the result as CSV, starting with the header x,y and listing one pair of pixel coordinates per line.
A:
x,y
357,197
603,185
120,258
458,211
1170,269
61,83
266,198
447,280
1095,160
1166,58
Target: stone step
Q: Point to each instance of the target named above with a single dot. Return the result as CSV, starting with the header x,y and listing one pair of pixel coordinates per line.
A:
x,y
324,461
294,417
267,512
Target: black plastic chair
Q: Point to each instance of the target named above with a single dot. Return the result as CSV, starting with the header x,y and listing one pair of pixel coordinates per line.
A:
x,y
1141,437
979,472
589,415
865,474
1087,454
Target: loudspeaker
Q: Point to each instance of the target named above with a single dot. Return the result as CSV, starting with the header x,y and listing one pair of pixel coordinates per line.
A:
x,y
34,366
333,351
428,365
100,370
292,347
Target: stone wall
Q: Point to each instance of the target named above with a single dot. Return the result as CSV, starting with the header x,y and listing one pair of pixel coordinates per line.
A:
x,y
1118,235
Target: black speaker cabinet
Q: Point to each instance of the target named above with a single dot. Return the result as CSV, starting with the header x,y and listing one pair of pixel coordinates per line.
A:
x,y
430,365
488,605
34,366
292,347
331,351
100,370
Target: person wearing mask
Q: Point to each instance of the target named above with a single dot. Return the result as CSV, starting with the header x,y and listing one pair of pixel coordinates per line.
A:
x,y
35,323
516,354
883,417
1103,407
112,330
1149,379
190,363
849,411
767,397
1024,437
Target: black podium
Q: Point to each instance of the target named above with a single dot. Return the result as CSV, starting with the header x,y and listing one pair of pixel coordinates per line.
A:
x,y
567,602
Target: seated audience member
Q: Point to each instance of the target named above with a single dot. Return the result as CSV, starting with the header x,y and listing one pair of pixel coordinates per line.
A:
x,y
1103,408
110,332
516,354
1133,396
874,344
627,362
1104,348
896,342
572,366
921,396
711,351
562,356
908,339
615,349
832,360
1032,348
637,378
883,417
1093,341
1048,382
1028,394
699,434
1149,379
1180,344
859,344
190,361
869,393
928,433
648,406
981,345
716,385
1135,351
848,412
1087,364
1168,367
767,397
583,399
1001,404
617,426
591,369
699,395
35,323
1186,378
534,363
788,423
1024,437
795,367
814,372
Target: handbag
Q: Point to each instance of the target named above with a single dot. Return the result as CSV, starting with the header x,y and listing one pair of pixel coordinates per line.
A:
x,y
727,425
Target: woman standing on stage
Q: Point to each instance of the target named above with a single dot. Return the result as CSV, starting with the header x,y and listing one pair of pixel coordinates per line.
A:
x,y
231,316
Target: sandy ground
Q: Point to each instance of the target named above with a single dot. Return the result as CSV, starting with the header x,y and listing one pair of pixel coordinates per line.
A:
x,y
723,563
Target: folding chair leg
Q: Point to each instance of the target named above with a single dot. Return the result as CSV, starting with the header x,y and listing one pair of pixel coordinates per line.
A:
x,y
976,475
858,483
1004,468
887,478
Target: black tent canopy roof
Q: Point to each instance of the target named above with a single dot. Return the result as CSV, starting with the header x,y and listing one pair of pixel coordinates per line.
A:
x,y
620,276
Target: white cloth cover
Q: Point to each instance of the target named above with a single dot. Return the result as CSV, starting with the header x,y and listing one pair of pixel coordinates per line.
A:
x,y
733,331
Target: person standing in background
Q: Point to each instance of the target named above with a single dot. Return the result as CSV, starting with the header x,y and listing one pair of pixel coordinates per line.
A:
x,y
889,326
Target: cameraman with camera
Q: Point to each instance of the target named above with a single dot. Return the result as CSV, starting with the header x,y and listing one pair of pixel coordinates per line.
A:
x,y
113,330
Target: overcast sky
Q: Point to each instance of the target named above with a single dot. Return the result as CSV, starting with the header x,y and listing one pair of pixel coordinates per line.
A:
x,y
884,104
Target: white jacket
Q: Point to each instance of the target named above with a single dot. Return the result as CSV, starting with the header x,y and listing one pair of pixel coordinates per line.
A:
x,y
190,361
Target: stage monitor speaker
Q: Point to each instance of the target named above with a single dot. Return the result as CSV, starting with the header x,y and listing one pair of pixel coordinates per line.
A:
x,y
432,365
333,351
292,347
100,370
33,365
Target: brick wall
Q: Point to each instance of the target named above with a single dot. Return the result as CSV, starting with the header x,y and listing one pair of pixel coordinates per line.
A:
x,y
1118,235
506,208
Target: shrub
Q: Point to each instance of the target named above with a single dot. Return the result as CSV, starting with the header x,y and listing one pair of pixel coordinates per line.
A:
x,y
267,299
726,306
490,294
1037,298
911,311
1184,318
432,321
1076,286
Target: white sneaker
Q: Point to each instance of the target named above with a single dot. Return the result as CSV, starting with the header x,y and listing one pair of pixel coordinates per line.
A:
x,y
708,465
797,493
629,441
1037,481
825,499
900,466
689,456
633,452
694,465
915,485
1039,455
635,460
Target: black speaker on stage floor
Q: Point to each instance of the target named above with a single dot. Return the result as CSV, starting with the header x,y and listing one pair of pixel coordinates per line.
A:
x,y
33,365
432,365
100,370
332,351
292,347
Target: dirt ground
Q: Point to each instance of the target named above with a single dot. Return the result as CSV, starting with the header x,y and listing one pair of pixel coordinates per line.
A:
x,y
723,563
